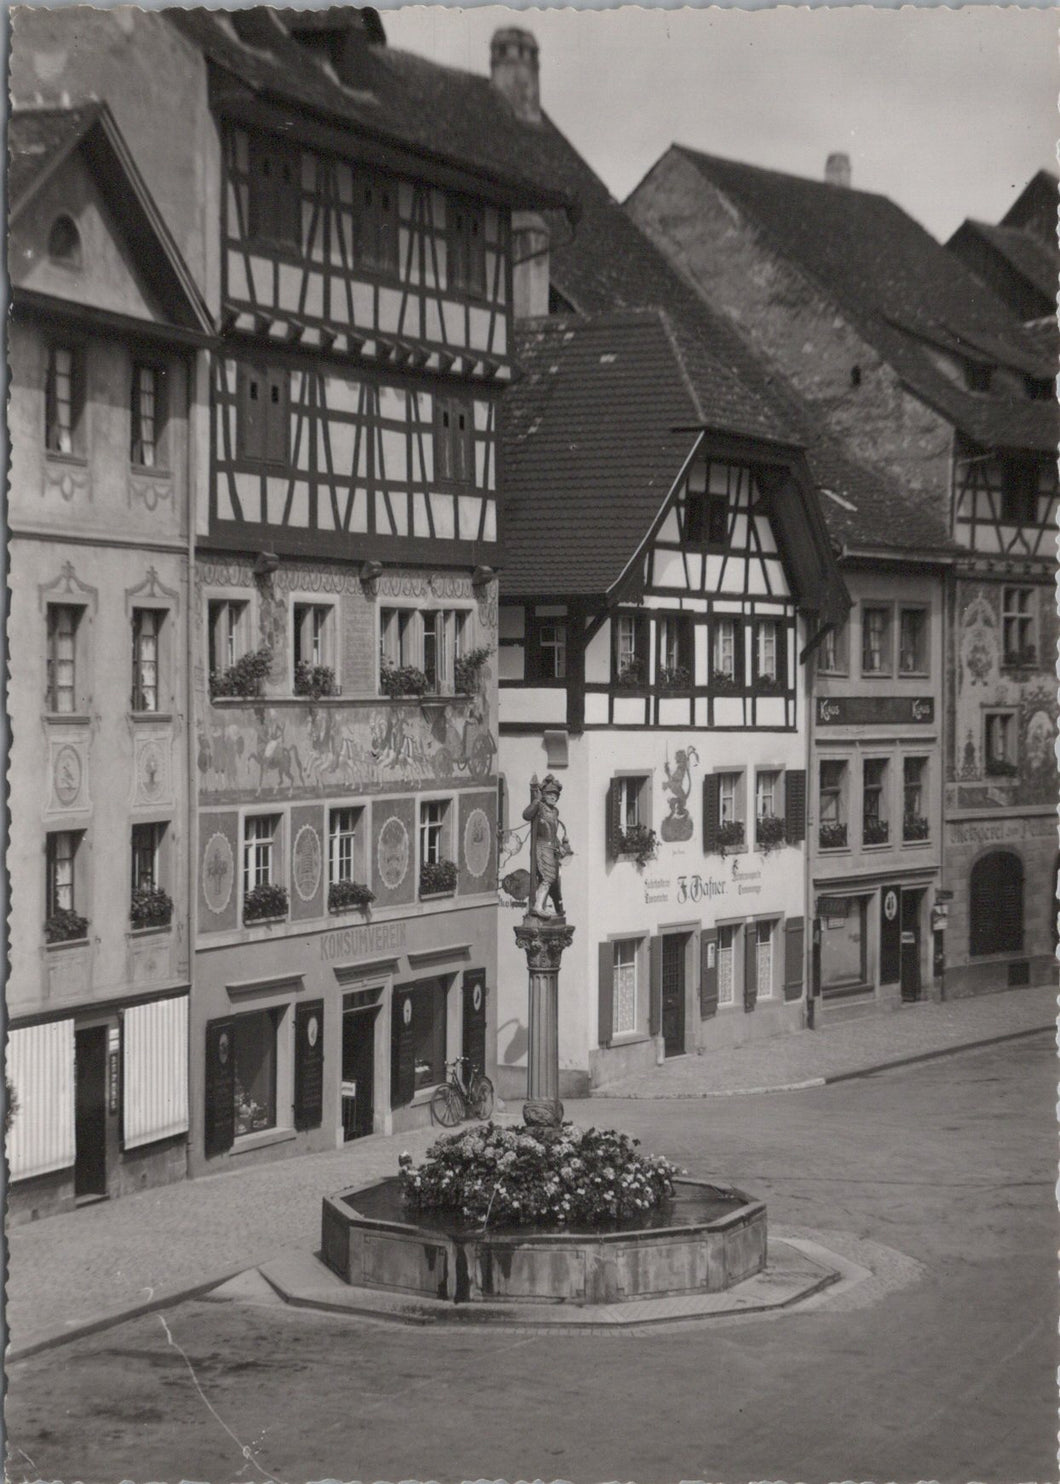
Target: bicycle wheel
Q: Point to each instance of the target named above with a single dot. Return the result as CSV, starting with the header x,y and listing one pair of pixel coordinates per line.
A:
x,y
481,1097
447,1106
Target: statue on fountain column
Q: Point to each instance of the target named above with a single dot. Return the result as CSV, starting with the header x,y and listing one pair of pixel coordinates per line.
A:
x,y
548,846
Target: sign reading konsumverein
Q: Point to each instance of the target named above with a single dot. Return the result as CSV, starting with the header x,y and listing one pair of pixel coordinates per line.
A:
x,y
852,711
363,941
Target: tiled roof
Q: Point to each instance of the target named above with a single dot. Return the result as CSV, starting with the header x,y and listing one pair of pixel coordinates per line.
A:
x,y
1026,254
609,264
38,140
898,285
590,454
437,112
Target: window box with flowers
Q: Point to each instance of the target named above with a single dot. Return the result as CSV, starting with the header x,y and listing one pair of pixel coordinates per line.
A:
x,y
150,907
245,678
314,680
832,835
915,827
675,677
437,878
342,895
1023,658
769,833
65,926
402,680
730,835
768,685
265,902
722,683
638,840
631,674
1001,767
875,832
467,670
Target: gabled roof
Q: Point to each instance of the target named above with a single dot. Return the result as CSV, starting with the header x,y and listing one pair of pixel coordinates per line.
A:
x,y
41,140
899,286
437,113
1035,208
1027,255
609,264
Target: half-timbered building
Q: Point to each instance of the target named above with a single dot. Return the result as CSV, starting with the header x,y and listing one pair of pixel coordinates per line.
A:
x,y
105,329
915,364
662,586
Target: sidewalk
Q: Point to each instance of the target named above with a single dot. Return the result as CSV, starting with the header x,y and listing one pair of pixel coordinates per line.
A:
x,y
112,1259
850,1048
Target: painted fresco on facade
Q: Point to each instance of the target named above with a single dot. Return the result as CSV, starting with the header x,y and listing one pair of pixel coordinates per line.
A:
x,y
677,824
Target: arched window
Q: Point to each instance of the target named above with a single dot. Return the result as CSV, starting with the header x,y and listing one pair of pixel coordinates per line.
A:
x,y
996,904
64,242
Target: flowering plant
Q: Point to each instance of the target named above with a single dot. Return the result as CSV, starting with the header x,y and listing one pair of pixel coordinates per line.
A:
x,y
344,894
437,876
314,680
151,906
468,668
639,841
245,677
65,926
264,901
769,832
402,680
553,1176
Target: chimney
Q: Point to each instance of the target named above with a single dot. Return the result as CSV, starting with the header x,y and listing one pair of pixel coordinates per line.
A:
x,y
837,170
514,72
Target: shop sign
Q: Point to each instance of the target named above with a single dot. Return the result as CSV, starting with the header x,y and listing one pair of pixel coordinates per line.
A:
x,y
832,906
699,888
845,711
994,831
367,941
890,904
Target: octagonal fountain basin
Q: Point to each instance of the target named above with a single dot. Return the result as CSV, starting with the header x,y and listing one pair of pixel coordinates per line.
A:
x,y
704,1240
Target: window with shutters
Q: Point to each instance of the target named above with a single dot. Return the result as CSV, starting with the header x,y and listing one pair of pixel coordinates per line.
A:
x,y
832,809
64,400
875,825
765,939
833,653
274,194
624,986
146,658
915,822
375,224
64,621
629,657
768,653
454,444
263,414
875,640
466,248
996,904
674,662
147,416
912,641
769,810
253,1051
727,951
724,826
1019,627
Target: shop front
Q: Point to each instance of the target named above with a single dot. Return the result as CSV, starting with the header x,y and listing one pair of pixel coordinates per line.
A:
x,y
875,942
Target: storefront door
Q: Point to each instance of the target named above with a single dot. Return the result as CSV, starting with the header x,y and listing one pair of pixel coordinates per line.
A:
x,y
358,1072
911,913
474,1038
90,1125
673,994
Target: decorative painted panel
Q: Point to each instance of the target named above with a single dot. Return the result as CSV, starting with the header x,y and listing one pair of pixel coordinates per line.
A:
x,y
218,866
477,853
369,269
308,863
393,846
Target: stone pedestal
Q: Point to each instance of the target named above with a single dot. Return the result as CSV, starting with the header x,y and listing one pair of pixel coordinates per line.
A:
x,y
543,940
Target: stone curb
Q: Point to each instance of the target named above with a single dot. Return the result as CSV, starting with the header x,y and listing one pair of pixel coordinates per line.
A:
x,y
615,1095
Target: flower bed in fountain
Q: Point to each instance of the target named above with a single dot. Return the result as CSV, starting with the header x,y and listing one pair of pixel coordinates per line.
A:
x,y
515,1176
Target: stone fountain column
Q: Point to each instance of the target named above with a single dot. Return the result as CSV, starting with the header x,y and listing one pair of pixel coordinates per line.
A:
x,y
543,940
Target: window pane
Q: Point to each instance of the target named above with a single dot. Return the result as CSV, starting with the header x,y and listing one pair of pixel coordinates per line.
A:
x,y
427,1030
254,1050
624,1010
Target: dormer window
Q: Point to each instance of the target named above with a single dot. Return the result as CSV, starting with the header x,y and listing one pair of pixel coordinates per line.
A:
x,y
64,242
466,248
1019,491
274,198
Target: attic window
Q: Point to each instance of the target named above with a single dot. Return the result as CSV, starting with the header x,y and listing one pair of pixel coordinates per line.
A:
x,y
64,242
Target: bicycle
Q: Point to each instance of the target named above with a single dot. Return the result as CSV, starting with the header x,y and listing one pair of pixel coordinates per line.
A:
x,y
465,1094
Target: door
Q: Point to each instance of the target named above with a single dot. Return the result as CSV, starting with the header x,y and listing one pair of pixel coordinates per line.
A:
x,y
474,1040
90,1101
911,903
358,1073
673,994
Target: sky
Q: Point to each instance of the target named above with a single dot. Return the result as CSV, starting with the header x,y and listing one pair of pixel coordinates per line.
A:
x,y
948,112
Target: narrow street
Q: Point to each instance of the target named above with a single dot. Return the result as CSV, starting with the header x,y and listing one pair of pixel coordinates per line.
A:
x,y
939,1371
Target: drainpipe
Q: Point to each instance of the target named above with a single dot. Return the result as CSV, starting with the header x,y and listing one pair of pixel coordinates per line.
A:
x,y
197,469
809,920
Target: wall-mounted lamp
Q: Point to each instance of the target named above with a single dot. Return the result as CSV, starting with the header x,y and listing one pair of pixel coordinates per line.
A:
x,y
265,563
481,576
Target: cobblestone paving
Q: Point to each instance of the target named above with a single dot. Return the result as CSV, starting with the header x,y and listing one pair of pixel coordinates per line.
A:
x,y
68,1270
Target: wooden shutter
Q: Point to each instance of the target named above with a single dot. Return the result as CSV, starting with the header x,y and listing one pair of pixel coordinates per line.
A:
x,y
708,973
655,988
890,936
402,1054
711,812
794,937
795,805
739,651
750,966
606,1014
309,1064
474,1032
614,819
219,1121
276,417
253,412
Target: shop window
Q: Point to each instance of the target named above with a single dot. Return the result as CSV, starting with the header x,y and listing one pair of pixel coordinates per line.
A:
x,y
915,823
547,649
1019,491
674,661
253,1052
466,248
146,658
727,951
375,225
875,641
912,641
624,986
999,743
64,399
706,519
833,803
844,943
263,397
832,654
630,654
229,622
63,624
146,416
274,194
875,827
418,1045
64,242
454,461
996,904
1018,626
